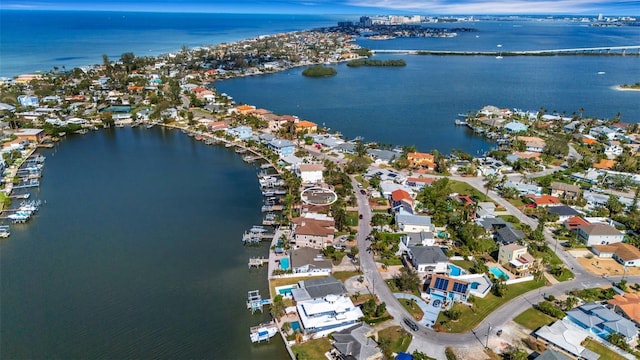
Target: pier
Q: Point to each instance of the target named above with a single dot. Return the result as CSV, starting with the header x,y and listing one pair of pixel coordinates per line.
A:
x,y
257,262
595,51
269,208
255,235
255,302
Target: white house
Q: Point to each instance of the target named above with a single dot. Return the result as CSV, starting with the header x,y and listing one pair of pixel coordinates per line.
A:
x,y
310,173
328,314
413,223
599,234
613,149
428,259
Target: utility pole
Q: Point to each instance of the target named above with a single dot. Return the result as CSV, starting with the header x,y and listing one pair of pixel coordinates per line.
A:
x,y
486,345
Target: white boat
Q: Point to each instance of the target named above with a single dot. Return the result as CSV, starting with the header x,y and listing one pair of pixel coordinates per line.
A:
x,y
499,57
601,72
19,216
263,332
4,231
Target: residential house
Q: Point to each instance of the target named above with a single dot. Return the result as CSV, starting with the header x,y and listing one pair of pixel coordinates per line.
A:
x,y
428,259
306,260
266,138
421,160
516,258
419,183
310,173
401,199
603,131
574,222
492,224
486,209
214,126
424,238
357,343
628,305
544,200
524,188
346,148
627,255
515,127
533,143
410,223
322,316
28,101
564,212
479,284
312,232
565,191
567,336
613,149
599,234
318,288
30,135
383,156
241,132
552,355
307,127
508,235
604,164
453,289
599,320
387,188
282,147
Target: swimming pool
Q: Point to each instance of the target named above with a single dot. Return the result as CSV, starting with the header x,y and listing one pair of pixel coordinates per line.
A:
x,y
284,263
295,326
497,272
455,270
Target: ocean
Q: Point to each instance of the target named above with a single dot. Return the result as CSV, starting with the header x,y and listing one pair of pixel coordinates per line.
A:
x,y
137,252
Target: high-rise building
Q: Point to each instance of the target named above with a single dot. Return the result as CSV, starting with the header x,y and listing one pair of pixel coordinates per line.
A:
x,y
365,21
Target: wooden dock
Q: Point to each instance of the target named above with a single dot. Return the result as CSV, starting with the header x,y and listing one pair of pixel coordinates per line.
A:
x,y
257,262
255,302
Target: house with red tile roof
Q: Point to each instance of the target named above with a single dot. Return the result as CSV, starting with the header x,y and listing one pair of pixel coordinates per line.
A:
x,y
544,200
306,126
628,304
312,232
421,160
401,199
605,164
419,183
574,222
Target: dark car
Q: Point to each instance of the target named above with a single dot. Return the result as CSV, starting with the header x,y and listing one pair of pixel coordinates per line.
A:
x,y
410,323
360,217
363,192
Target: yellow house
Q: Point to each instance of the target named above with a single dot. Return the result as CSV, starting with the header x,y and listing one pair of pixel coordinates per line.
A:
x,y
421,160
516,258
306,126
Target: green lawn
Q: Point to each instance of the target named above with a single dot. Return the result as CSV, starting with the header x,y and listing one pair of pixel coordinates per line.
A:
x,y
312,349
412,308
392,261
516,202
465,264
352,218
533,319
470,317
509,218
604,352
399,339
344,275
466,189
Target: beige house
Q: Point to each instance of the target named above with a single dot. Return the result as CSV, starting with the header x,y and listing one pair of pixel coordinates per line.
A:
x,y
565,191
516,258
313,233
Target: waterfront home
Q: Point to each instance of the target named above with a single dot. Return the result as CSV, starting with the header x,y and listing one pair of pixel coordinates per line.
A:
x,y
599,234
30,135
423,238
410,223
318,288
241,132
599,320
346,148
574,126
564,212
515,127
604,132
508,235
304,126
567,336
516,258
401,199
628,305
282,147
452,289
383,156
524,188
214,126
522,155
418,160
310,173
565,191
419,183
428,259
308,261
28,101
329,141
320,317
313,233
170,113
625,254
356,343
533,143
242,109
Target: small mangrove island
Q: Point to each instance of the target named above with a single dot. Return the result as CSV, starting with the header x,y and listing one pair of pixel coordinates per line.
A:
x,y
369,62
319,71
635,86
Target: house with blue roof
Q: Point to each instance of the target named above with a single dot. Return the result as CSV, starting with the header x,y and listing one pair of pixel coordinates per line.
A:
x,y
282,147
241,132
601,321
515,127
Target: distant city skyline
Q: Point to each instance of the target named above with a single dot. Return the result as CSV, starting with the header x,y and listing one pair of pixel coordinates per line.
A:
x,y
421,7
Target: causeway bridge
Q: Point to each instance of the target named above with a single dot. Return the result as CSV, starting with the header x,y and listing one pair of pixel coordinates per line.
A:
x,y
603,50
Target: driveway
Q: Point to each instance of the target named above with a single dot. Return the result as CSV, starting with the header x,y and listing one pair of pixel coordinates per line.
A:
x,y
430,312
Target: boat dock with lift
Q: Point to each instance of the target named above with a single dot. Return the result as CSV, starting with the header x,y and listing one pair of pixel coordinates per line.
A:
x,y
255,302
255,235
257,262
263,332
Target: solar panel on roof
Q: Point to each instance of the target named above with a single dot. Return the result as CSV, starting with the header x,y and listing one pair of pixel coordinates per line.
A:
x,y
441,284
460,288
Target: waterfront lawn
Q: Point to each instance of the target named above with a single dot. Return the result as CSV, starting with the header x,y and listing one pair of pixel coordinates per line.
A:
x,y
393,340
344,275
312,349
273,283
412,308
466,189
604,352
533,319
464,264
470,317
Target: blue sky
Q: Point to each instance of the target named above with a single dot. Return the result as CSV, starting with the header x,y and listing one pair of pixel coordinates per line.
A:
x,y
422,7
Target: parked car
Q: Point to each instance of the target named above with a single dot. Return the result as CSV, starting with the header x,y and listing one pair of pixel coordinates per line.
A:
x,y
363,192
410,323
360,216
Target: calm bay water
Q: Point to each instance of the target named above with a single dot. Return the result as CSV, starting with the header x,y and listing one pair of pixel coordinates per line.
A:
x,y
137,253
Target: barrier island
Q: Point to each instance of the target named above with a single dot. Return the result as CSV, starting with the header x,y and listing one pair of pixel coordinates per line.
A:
x,y
370,62
319,71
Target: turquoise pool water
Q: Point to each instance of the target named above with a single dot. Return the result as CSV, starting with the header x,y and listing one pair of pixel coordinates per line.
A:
x,y
117,109
455,270
295,326
284,263
497,272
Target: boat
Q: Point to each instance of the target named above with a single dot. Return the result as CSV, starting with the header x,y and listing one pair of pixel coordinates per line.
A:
x,y
263,332
499,57
601,72
149,126
460,122
81,131
19,216
4,231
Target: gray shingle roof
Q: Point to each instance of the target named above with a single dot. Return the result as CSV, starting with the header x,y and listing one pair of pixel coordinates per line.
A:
x,y
319,288
428,254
